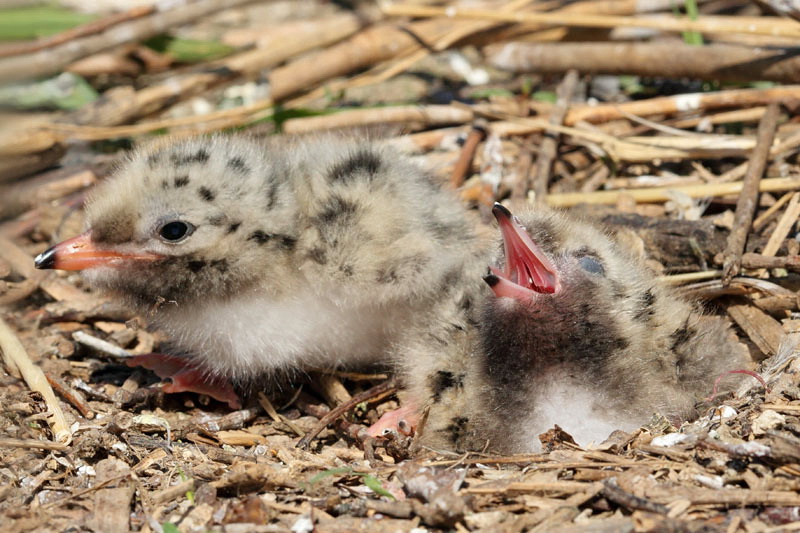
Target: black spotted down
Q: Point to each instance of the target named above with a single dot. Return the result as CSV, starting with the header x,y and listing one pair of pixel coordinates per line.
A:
x,y
364,162
206,194
336,210
237,164
181,181
646,306
682,335
234,227
262,237
457,430
196,266
217,220
200,156
443,380
259,237
272,194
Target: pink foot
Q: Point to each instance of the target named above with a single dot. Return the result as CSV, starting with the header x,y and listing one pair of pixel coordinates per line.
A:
x,y
391,420
186,378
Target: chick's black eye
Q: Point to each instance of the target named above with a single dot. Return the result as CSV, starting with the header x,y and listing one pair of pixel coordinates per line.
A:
x,y
175,230
590,264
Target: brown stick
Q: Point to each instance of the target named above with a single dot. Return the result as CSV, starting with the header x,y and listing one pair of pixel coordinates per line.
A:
x,y
421,115
549,144
671,59
748,200
618,495
670,105
384,388
662,194
33,65
95,26
769,26
72,396
6,442
789,262
122,106
17,359
464,163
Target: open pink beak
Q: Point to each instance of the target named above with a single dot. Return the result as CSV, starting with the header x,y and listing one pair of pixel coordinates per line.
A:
x,y
81,252
528,270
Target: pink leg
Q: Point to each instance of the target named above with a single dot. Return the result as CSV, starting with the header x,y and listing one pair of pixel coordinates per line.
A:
x,y
391,420
186,378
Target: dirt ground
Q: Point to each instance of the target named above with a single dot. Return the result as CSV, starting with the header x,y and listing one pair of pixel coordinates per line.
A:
x,y
673,125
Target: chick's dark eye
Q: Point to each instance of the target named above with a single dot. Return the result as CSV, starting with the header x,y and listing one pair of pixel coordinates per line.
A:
x,y
590,264
175,231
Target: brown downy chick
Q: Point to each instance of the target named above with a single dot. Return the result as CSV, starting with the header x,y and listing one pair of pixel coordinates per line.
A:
x,y
578,333
255,257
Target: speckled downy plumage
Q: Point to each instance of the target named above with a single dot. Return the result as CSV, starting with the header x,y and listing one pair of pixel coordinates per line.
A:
x,y
314,252
606,349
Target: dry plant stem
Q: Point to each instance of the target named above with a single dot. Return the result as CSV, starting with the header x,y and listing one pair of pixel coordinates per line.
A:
x,y
616,494
661,194
124,105
422,115
90,28
331,388
17,359
373,45
632,148
789,262
670,105
31,443
765,332
784,226
671,59
26,164
770,26
72,396
27,194
752,114
764,217
464,163
549,146
748,199
38,64
273,414
20,263
384,388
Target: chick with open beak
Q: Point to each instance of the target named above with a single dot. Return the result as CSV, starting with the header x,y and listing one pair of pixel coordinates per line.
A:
x,y
259,258
576,331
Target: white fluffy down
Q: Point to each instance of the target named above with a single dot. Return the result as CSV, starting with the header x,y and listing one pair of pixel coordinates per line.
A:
x,y
577,409
254,334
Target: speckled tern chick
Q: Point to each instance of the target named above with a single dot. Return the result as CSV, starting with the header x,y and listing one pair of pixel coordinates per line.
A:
x,y
578,332
258,257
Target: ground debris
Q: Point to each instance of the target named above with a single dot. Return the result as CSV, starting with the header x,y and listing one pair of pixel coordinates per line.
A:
x,y
555,105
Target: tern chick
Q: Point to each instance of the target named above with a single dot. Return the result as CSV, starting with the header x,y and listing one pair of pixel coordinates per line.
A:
x,y
576,331
258,257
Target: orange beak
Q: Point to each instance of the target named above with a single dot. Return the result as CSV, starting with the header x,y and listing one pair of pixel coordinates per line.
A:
x,y
81,252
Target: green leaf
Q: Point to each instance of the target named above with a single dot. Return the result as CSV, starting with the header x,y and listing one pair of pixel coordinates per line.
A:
x,y
545,96
169,527
489,92
22,23
375,486
189,50
66,91
330,472
693,38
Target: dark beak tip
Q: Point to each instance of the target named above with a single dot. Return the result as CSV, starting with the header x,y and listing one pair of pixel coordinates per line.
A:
x,y
491,280
46,259
500,210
